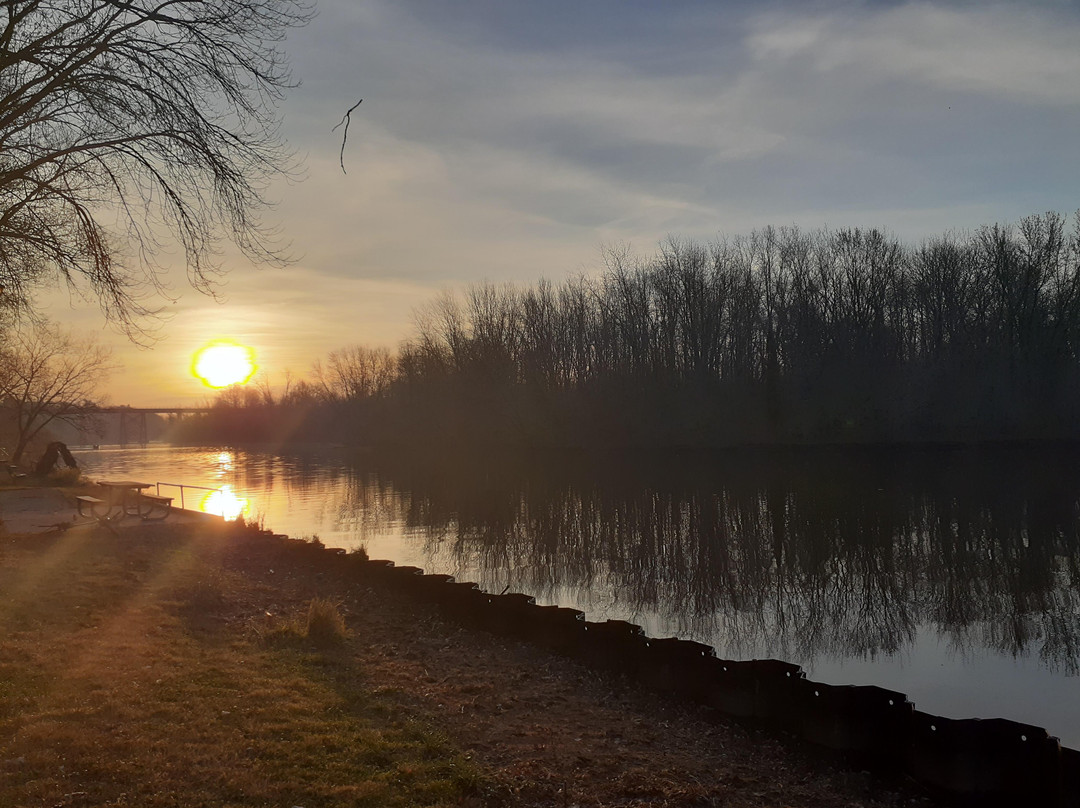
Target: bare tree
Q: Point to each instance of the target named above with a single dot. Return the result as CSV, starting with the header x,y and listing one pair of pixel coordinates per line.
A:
x,y
158,115
356,372
47,375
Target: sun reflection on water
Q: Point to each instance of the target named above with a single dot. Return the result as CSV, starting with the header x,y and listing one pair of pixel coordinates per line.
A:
x,y
224,462
224,502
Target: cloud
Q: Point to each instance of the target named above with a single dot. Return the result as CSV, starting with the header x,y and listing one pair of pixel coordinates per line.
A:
x,y
480,152
665,118
1013,52
429,84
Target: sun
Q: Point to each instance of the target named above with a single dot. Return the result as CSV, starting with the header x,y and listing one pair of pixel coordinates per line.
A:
x,y
222,363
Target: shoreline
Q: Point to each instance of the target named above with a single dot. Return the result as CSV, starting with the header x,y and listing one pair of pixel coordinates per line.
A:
x,y
849,725
541,729
990,761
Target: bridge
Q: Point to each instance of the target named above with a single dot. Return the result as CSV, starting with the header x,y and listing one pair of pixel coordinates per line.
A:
x,y
145,410
134,418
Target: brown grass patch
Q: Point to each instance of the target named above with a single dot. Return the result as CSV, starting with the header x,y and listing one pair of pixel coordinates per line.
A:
x,y
321,626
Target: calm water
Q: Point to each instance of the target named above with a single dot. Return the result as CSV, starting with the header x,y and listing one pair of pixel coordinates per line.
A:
x,y
953,576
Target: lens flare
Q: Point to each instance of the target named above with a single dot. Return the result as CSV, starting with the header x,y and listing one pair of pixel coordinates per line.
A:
x,y
224,502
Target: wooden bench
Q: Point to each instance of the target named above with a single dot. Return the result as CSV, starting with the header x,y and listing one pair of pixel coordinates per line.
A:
x,y
94,504
99,510
153,503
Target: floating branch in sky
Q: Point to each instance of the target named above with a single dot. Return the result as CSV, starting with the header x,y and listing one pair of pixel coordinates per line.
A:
x,y
346,118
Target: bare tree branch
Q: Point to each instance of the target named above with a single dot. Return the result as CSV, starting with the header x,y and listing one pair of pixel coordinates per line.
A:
x,y
346,119
157,114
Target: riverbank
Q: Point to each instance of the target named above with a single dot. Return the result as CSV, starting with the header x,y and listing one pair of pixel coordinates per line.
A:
x,y
164,666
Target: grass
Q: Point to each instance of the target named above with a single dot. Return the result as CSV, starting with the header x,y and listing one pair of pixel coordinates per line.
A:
x,y
321,626
64,476
136,671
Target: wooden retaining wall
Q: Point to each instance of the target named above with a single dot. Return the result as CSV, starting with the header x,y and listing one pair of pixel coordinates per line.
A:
x,y
973,762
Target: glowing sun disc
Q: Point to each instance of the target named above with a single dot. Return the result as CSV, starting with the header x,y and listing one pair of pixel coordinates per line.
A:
x,y
220,364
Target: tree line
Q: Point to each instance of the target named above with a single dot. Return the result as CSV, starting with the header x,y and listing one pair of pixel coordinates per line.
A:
x,y
779,336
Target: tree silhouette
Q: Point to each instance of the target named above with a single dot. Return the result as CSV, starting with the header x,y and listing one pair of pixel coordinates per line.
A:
x,y
47,375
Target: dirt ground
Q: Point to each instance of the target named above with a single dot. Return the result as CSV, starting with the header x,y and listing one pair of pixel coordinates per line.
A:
x,y
551,731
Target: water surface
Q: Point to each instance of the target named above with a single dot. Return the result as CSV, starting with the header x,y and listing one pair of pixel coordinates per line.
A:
x,y
951,575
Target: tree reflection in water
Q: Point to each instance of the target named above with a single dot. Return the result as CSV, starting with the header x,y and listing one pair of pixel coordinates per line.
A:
x,y
790,555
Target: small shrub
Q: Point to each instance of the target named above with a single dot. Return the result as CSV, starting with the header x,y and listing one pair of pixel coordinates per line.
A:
x,y
254,524
314,540
325,625
64,476
360,552
249,527
322,626
204,595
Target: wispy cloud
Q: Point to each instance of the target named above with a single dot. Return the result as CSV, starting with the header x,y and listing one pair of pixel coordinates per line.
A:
x,y
1007,51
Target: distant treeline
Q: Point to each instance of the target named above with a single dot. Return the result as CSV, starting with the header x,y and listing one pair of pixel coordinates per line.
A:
x,y
782,336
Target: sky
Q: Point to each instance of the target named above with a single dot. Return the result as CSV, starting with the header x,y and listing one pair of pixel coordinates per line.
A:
x,y
506,141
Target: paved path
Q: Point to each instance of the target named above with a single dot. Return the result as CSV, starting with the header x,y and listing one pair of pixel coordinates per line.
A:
x,y
35,510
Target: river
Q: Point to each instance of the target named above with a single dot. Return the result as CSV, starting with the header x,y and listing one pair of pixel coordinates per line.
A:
x,y
950,575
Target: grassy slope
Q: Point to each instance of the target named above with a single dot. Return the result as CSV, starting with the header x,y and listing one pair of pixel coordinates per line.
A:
x,y
167,666
134,670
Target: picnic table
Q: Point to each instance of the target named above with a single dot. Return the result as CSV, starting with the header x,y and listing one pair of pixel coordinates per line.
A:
x,y
124,498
